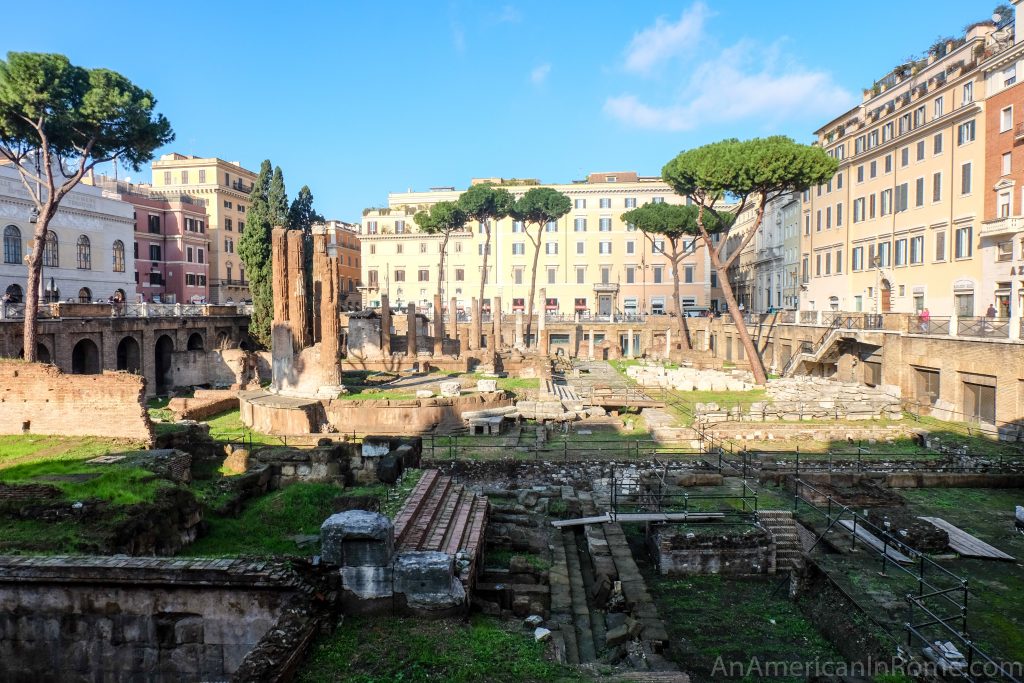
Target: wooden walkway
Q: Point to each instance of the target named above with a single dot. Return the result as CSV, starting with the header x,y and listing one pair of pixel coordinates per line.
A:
x,y
875,542
967,545
640,517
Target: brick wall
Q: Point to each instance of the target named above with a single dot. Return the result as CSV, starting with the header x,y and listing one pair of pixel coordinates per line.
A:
x,y
40,399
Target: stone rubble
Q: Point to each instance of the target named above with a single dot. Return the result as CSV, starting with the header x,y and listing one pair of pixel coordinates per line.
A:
x,y
690,379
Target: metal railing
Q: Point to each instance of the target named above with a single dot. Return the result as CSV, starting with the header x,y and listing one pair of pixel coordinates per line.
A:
x,y
12,311
629,495
984,327
935,326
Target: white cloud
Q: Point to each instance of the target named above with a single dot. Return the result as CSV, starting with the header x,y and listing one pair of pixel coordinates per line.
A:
x,y
539,74
509,14
658,43
744,82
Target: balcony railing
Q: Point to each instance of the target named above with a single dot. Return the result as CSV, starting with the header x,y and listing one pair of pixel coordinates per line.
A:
x,y
10,311
935,326
1007,225
1018,132
985,327
606,287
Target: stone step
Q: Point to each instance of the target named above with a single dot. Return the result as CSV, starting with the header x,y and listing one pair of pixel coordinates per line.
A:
x,y
580,608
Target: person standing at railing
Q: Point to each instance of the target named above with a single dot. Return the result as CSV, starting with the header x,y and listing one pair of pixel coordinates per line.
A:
x,y
923,318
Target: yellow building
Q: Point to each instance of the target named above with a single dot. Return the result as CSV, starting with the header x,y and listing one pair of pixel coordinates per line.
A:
x,y
897,228
590,261
225,186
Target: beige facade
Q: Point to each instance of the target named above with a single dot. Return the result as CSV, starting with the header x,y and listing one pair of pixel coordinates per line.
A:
x,y
590,261
225,186
897,228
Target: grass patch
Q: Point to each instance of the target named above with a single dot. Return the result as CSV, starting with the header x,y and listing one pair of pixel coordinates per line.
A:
x,y
265,526
749,621
20,449
228,426
116,484
364,650
501,558
682,404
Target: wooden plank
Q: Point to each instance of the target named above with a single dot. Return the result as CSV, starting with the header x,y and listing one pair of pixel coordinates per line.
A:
x,y
580,521
875,542
640,517
967,545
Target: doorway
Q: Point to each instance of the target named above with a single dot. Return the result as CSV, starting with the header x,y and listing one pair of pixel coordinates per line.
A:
x,y
886,296
162,353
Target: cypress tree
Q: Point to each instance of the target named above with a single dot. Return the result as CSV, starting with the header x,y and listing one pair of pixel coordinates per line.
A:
x,y
302,216
254,250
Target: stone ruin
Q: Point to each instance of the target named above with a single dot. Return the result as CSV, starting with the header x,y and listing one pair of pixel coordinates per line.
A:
x,y
690,379
305,353
793,399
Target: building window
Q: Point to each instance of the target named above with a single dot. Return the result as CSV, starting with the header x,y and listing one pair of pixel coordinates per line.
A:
x,y
902,198
940,245
581,274
399,275
630,202
938,107
926,385
657,200
552,274
1005,119
1007,165
886,202
551,226
688,274
659,274
901,252
920,150
605,225
858,210
1009,75
154,225
919,192
964,244
1004,251
860,173
658,246
200,255
518,248
580,225
858,258
965,178
118,256
1003,204
580,248
460,274
904,157
873,167
917,249
839,261
937,144
630,247
228,224
580,203
371,227
423,275
605,203
517,275
937,187
84,253
884,254
551,248
12,244
371,276
423,247
605,248
965,133
817,265
630,275
968,93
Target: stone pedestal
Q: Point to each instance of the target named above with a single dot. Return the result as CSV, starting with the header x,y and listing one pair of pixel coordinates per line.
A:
x,y
325,277
474,326
496,324
517,340
629,343
668,343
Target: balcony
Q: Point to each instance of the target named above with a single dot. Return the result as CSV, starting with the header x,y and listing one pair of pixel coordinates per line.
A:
x,y
1018,132
241,186
1007,225
606,287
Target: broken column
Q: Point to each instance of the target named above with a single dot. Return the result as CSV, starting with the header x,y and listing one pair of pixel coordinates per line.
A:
x,y
385,325
496,323
438,327
630,351
453,320
590,344
542,336
474,325
410,334
325,275
297,289
282,340
668,343
517,337
279,273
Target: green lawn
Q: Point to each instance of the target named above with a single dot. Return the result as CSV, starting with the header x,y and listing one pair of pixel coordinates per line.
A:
x,y
710,617
364,650
228,427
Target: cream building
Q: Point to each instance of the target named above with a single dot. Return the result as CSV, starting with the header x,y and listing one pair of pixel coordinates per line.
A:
x,y
225,185
765,275
590,263
897,227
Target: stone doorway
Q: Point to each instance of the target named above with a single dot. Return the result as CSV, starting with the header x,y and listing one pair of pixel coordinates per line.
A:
x,y
85,358
129,356
162,352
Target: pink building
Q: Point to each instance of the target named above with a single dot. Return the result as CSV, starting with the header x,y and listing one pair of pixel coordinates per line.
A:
x,y
172,248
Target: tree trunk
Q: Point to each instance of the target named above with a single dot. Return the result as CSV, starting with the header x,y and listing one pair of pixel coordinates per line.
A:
x,y
440,267
533,286
684,329
756,367
35,267
483,273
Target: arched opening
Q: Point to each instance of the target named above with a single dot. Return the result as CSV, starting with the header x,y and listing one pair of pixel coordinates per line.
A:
x,y
84,295
42,353
84,253
129,356
195,342
14,294
118,254
85,358
51,251
163,350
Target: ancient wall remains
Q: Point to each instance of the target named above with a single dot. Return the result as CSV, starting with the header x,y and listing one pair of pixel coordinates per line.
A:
x,y
36,398
681,553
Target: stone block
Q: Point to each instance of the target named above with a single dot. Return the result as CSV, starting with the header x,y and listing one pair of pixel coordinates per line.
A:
x,y
617,636
487,385
357,538
424,572
424,393
450,389
368,583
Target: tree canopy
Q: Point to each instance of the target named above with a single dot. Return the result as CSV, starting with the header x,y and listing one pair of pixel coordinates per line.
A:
x,y
743,168
485,202
254,250
675,220
540,205
277,200
73,118
441,218
301,214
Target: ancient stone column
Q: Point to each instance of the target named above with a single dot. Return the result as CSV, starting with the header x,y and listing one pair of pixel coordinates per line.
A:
x,y
453,320
297,289
668,343
629,343
325,275
385,326
474,326
517,337
410,335
496,323
279,273
542,335
438,327
590,351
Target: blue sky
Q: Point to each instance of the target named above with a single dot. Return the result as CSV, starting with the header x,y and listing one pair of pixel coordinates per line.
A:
x,y
358,99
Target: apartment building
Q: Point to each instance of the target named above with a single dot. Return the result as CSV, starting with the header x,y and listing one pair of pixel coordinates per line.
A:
x,y
87,256
225,186
765,276
1002,230
591,262
897,228
344,239
170,247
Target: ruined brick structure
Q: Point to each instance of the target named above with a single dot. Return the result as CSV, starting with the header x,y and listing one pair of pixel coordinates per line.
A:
x,y
36,398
